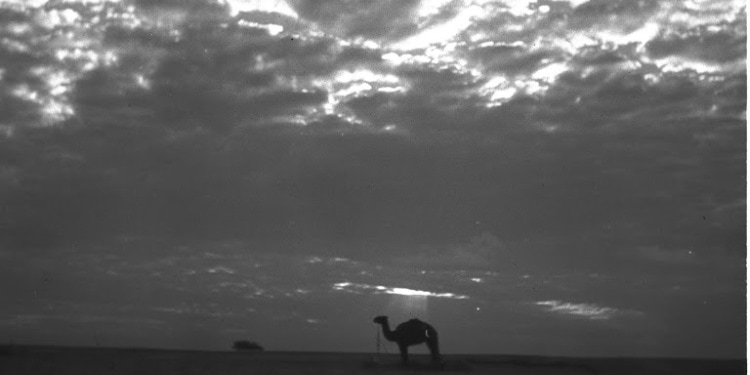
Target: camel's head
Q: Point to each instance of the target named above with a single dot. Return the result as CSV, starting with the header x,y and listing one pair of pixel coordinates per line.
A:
x,y
382,319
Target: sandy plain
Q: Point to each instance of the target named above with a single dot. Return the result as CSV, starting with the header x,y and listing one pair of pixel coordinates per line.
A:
x,y
22,360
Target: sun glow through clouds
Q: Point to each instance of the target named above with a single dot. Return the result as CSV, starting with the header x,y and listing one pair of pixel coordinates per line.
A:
x,y
379,289
277,6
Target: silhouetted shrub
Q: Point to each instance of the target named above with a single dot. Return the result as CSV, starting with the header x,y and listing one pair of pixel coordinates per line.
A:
x,y
246,345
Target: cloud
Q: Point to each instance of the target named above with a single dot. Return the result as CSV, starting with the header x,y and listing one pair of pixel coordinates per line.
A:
x,y
720,44
482,251
221,269
187,123
378,289
381,20
587,310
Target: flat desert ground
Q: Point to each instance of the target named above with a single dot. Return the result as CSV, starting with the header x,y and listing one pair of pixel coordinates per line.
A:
x,y
23,360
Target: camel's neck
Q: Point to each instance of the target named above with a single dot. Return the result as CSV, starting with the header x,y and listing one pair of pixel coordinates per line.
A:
x,y
389,335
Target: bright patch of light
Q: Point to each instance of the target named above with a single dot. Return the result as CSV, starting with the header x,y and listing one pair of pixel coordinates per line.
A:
x,y
369,44
477,279
379,289
388,89
590,311
109,58
503,94
410,292
346,76
574,43
53,111
520,8
576,3
579,41
390,128
330,106
272,29
314,259
51,108
641,36
549,128
405,58
544,9
719,11
495,82
297,119
354,89
348,83
442,32
278,6
549,72
24,3
55,18
499,90
678,64
393,58
58,83
430,7
221,269
142,81
18,28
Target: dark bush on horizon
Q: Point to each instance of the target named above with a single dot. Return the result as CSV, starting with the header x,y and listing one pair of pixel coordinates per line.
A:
x,y
244,345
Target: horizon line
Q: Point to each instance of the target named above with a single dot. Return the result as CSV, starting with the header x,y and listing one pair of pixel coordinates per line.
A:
x,y
145,348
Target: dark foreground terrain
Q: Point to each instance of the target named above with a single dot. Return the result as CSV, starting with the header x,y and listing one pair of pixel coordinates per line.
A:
x,y
82,361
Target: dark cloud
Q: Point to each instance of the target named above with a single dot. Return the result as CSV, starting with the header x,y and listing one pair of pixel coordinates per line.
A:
x,y
721,47
382,20
511,59
622,15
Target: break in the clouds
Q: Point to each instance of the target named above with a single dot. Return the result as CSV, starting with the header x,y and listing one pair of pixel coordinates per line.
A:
x,y
227,164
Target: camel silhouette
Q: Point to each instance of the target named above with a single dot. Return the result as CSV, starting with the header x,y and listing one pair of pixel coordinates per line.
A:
x,y
412,332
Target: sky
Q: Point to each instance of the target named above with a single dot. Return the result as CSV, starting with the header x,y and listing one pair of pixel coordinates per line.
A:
x,y
530,177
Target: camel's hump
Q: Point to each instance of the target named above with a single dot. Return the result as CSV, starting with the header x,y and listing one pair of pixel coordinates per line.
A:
x,y
412,324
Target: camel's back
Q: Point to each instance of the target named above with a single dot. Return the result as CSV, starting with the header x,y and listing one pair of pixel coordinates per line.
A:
x,y
414,325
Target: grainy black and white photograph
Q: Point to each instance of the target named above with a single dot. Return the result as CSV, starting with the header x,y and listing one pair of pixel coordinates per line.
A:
x,y
373,187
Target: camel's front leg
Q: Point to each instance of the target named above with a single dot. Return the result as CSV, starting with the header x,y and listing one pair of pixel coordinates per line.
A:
x,y
404,349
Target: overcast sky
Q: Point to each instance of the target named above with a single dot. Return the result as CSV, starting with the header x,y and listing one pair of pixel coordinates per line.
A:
x,y
539,177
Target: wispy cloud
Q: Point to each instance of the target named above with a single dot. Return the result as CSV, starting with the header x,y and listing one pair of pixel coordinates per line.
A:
x,y
221,269
587,310
478,252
